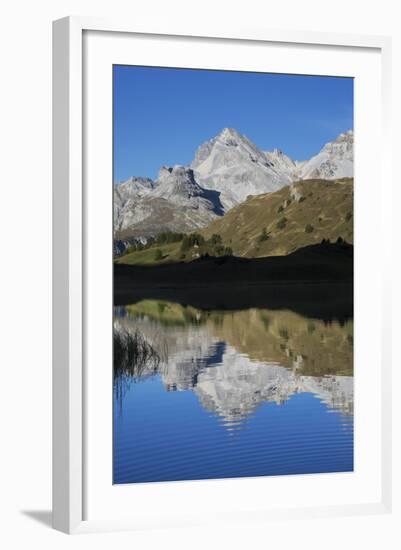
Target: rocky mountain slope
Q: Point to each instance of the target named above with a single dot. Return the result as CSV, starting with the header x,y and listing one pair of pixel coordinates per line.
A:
x,y
335,160
231,164
226,170
283,163
175,202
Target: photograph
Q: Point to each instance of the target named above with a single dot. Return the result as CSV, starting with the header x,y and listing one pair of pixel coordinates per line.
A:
x,y
233,274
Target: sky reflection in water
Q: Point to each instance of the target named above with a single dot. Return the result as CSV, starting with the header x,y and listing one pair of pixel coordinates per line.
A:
x,y
233,394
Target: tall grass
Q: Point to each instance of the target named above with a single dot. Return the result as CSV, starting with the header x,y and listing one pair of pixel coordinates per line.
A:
x,y
133,358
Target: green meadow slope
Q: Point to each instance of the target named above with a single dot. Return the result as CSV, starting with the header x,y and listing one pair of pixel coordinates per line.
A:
x,y
169,252
276,224
273,224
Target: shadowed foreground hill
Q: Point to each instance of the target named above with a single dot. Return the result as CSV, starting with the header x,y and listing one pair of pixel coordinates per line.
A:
x,y
314,281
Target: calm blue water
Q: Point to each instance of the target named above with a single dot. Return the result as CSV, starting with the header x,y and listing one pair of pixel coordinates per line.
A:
x,y
251,393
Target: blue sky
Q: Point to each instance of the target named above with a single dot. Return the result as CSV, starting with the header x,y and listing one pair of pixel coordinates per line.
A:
x,y
162,115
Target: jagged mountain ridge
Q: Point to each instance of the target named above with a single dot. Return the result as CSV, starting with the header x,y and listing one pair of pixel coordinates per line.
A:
x,y
231,164
175,202
335,160
178,185
226,170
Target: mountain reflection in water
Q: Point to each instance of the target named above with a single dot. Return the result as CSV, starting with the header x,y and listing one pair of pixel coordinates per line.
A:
x,y
234,363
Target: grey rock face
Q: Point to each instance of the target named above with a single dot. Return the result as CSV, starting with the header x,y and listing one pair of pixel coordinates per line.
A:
x,y
335,160
231,164
119,247
225,171
178,186
126,196
175,202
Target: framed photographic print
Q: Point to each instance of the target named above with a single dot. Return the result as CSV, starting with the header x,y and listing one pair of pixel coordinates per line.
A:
x,y
219,323
233,275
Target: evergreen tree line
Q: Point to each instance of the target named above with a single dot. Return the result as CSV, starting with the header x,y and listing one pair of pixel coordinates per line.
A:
x,y
213,246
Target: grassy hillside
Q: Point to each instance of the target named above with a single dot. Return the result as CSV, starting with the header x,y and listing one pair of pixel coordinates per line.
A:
x,y
169,252
293,217
188,247
273,224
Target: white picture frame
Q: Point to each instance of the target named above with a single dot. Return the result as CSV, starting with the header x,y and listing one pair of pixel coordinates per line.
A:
x,y
70,224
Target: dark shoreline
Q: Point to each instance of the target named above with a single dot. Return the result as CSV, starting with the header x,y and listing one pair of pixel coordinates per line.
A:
x,y
316,281
326,301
